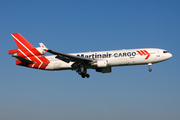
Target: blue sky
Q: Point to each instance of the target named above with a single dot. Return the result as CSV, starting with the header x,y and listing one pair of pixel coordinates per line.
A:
x,y
128,93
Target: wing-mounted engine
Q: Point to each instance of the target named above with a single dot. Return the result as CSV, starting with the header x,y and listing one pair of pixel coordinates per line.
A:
x,y
104,69
102,66
102,63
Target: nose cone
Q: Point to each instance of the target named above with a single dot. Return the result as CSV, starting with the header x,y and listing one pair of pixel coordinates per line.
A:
x,y
169,55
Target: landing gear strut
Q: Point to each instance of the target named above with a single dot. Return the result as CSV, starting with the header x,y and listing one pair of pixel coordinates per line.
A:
x,y
83,73
149,64
80,69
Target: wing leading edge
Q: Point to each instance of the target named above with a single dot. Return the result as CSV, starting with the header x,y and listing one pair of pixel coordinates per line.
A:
x,y
69,58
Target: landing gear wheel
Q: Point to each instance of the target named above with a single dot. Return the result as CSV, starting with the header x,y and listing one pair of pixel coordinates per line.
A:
x,y
83,75
149,64
87,75
83,72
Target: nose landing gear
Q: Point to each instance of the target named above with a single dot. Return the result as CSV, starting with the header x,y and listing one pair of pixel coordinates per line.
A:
x,y
149,64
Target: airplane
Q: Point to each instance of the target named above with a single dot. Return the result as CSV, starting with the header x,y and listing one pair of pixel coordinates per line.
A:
x,y
29,56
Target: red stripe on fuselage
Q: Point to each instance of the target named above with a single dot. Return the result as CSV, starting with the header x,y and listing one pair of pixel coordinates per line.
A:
x,y
39,65
139,52
144,52
148,55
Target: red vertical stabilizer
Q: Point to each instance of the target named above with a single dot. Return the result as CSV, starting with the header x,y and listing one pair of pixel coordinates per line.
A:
x,y
21,42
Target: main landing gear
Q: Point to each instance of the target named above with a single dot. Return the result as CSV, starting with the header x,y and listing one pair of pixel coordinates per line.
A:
x,y
149,64
83,73
80,69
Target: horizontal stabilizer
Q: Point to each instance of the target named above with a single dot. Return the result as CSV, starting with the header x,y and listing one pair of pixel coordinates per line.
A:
x,y
24,60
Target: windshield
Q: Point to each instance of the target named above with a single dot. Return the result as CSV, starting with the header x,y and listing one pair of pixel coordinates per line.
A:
x,y
165,51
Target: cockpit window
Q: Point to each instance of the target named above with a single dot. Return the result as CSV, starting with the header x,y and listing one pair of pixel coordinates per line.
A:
x,y
165,51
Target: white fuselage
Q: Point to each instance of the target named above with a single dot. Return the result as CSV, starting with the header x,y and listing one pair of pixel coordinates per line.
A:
x,y
102,61
113,58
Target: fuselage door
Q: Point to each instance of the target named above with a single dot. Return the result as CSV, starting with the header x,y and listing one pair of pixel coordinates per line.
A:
x,y
158,54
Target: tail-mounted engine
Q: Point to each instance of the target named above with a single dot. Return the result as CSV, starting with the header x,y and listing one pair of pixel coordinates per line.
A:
x,y
29,52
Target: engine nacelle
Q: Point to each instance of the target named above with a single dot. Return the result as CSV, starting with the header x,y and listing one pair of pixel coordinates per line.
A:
x,y
102,63
104,69
41,50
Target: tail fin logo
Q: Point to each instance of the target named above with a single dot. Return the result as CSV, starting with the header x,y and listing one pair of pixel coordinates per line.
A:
x,y
21,42
28,51
144,52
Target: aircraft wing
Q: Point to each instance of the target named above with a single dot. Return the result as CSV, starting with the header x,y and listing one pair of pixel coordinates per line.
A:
x,y
69,58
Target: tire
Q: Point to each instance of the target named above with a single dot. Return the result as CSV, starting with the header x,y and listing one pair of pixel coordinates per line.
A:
x,y
83,76
87,75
